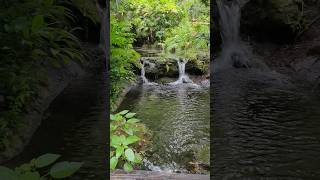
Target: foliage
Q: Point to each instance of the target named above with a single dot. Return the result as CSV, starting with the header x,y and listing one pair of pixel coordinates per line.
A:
x,y
38,169
188,39
192,34
123,57
128,140
33,34
149,19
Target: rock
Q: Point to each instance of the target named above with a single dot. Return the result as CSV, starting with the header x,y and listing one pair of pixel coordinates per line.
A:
x,y
157,67
272,20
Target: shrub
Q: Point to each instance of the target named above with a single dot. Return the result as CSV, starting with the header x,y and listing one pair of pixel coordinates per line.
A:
x,y
128,140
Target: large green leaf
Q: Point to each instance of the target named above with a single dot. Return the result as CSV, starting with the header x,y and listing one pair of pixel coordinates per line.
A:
x,y
124,112
7,174
138,158
64,169
119,151
130,115
46,160
112,117
113,162
30,176
131,139
129,154
127,167
117,140
133,120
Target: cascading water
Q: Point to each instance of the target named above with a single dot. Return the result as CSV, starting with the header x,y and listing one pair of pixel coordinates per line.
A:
x,y
235,53
183,77
143,73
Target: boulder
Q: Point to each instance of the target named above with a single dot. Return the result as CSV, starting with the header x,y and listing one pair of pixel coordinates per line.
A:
x,y
278,21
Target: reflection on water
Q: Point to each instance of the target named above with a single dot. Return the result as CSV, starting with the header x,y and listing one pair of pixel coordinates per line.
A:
x,y
178,118
264,129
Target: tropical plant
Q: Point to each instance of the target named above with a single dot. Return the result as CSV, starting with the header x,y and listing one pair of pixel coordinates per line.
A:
x,y
44,167
35,34
128,140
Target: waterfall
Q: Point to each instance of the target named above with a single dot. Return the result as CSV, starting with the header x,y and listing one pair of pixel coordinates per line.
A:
x,y
235,53
143,73
183,77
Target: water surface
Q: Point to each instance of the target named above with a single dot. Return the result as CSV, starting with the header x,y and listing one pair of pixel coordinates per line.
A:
x,y
264,128
179,119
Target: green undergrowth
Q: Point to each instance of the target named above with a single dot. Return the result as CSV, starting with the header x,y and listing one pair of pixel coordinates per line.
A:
x,y
129,139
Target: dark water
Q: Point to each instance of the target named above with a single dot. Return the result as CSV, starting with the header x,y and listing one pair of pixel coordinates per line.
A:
x,y
179,119
75,127
264,128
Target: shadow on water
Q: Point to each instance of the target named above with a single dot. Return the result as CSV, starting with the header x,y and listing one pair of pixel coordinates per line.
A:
x,y
75,127
179,120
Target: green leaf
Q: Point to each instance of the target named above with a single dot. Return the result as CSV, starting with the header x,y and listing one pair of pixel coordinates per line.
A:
x,y
113,127
127,167
37,23
129,154
119,151
138,158
30,176
64,169
117,140
133,120
46,160
7,174
113,163
131,139
130,115
112,117
128,130
124,112
118,117
25,167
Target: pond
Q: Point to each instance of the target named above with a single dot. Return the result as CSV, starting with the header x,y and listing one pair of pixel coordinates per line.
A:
x,y
264,127
179,119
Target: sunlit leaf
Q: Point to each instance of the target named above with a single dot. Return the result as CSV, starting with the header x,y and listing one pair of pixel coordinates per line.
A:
x,y
127,167
113,163
130,115
129,154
